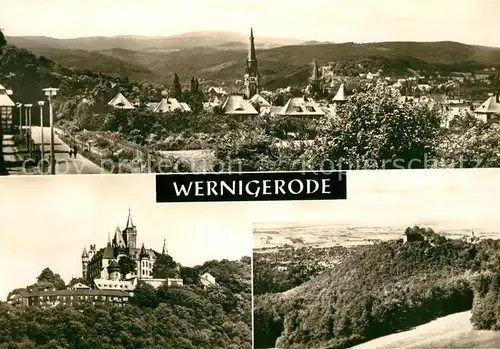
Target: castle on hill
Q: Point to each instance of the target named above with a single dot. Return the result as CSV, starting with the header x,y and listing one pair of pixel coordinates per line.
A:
x,y
102,270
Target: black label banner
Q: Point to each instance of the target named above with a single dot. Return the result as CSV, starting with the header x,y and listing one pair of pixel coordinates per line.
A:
x,y
258,186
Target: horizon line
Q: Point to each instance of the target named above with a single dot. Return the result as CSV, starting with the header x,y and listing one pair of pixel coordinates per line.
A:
x,y
298,40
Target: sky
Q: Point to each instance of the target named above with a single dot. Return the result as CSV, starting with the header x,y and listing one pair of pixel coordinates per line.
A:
x,y
467,21
448,199
46,222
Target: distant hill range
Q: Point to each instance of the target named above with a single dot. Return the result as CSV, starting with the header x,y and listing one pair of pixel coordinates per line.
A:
x,y
220,56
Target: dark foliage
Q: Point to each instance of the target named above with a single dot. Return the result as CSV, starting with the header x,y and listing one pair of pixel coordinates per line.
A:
x,y
382,289
188,317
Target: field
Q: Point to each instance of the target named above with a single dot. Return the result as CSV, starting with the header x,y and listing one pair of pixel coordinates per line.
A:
x,y
452,331
324,235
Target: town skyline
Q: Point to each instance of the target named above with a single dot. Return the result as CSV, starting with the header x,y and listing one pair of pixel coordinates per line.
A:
x,y
360,21
195,233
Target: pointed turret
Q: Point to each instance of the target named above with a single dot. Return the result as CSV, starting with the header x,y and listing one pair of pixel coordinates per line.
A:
x,y
130,223
109,239
164,250
84,253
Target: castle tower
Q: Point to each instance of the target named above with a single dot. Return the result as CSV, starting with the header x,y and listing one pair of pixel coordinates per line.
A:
x,y
164,250
130,233
85,263
114,270
143,257
251,78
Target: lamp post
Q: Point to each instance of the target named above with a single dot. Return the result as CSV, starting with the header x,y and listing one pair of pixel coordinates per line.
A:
x,y
28,123
41,103
51,92
20,106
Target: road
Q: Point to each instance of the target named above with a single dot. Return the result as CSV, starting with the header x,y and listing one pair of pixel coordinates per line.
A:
x,y
64,163
453,331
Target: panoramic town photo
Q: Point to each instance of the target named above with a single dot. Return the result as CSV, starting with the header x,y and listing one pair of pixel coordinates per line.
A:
x,y
248,85
410,261
94,262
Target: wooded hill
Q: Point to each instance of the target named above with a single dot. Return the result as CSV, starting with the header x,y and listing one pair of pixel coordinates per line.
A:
x,y
279,66
385,288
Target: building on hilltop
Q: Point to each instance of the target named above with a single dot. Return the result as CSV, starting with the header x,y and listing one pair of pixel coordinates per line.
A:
x,y
251,78
101,268
120,102
51,298
207,280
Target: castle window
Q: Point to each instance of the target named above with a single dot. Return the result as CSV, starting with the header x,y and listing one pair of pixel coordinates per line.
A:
x,y
298,109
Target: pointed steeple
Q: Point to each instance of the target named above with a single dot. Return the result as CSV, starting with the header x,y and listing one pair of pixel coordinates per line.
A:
x,y
109,239
164,250
84,253
252,57
130,223
315,73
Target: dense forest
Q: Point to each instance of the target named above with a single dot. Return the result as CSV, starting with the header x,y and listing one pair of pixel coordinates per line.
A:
x,y
385,288
188,317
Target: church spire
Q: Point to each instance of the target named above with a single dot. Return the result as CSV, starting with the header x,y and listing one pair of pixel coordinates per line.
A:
x,y
164,250
130,223
109,239
315,73
252,57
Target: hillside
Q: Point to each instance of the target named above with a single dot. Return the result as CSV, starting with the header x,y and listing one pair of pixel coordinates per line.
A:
x,y
384,289
452,331
221,39
186,317
279,66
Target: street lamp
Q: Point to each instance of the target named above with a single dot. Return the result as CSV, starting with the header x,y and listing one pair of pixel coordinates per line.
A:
x,y
28,112
20,106
41,103
51,92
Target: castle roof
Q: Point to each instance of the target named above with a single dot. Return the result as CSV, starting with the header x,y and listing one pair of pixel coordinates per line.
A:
x,y
84,253
301,106
120,102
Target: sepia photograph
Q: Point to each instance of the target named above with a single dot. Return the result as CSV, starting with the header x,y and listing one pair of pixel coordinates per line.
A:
x,y
95,262
90,87
410,260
